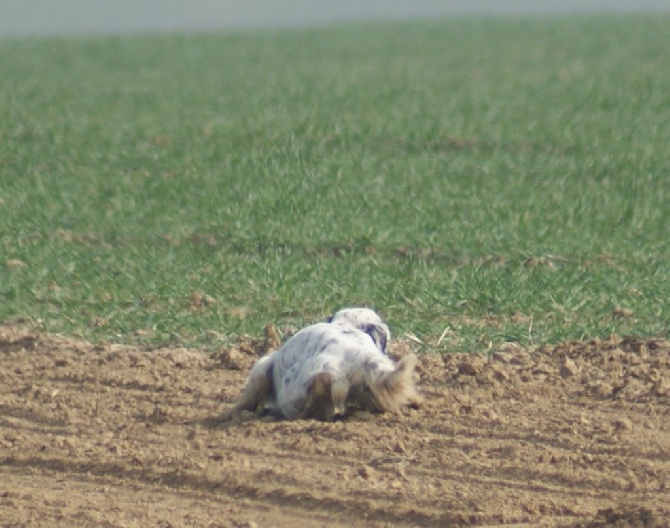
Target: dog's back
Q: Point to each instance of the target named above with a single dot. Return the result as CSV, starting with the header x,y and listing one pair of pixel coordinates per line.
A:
x,y
327,368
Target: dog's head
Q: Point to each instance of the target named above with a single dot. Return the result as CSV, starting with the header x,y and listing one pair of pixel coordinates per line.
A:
x,y
366,321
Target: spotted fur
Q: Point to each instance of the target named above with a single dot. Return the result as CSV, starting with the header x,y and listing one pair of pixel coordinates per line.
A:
x,y
330,368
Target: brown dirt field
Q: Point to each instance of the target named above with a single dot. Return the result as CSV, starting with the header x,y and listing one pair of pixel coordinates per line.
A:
x,y
111,435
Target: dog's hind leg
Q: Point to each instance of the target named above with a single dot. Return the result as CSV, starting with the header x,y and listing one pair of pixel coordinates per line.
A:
x,y
258,389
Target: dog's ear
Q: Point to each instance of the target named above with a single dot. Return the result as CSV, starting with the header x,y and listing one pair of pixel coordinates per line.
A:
x,y
380,335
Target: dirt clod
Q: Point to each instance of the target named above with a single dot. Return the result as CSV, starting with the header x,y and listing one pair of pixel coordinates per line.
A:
x,y
271,341
233,359
623,423
367,473
568,368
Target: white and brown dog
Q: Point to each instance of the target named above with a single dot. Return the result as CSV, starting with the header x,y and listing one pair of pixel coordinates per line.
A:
x,y
330,368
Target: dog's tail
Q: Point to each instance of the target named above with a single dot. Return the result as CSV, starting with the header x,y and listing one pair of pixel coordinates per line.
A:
x,y
394,389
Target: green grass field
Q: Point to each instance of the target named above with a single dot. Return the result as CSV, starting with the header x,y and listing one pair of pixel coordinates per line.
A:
x,y
475,180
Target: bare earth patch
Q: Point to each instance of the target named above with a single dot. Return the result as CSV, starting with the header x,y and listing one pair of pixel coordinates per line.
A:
x,y
573,435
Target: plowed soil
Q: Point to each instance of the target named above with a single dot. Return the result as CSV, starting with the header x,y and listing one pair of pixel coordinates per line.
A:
x,y
109,435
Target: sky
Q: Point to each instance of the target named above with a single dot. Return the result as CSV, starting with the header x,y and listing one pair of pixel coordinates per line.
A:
x,y
73,17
